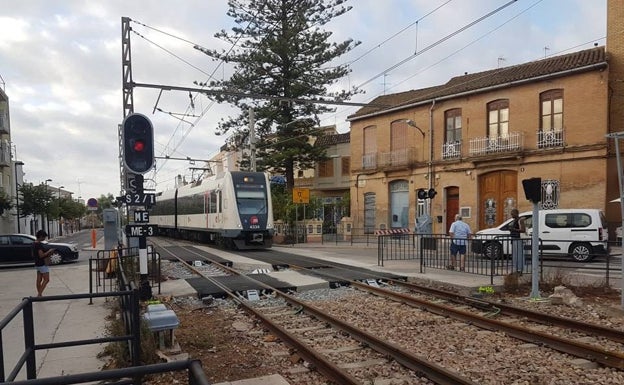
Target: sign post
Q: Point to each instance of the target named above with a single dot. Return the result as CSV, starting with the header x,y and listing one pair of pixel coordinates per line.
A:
x,y
301,195
92,205
138,158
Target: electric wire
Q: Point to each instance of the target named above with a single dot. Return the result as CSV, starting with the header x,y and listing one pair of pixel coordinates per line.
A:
x,y
433,65
438,42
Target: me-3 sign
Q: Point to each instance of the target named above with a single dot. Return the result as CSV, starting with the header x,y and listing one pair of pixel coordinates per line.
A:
x,y
141,230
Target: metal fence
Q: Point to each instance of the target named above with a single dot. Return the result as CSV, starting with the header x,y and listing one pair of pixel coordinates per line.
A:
x,y
104,269
112,274
494,257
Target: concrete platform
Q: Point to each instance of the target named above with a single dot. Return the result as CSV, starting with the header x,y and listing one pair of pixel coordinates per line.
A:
x,y
54,321
274,379
239,284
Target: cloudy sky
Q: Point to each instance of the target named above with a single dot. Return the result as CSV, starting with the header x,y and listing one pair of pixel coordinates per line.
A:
x,y
60,65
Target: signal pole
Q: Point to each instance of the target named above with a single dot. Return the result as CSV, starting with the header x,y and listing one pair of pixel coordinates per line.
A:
x,y
138,158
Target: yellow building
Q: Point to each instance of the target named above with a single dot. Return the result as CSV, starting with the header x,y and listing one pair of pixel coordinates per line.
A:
x,y
474,139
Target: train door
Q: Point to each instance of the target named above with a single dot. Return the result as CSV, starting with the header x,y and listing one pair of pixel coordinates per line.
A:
x,y
399,204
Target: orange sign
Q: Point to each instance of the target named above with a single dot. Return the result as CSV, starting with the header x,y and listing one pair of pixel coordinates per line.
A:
x,y
301,195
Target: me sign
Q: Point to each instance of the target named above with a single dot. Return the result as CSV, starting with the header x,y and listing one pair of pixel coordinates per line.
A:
x,y
141,230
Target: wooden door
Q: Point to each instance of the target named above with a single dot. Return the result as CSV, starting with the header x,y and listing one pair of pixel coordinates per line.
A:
x,y
452,205
498,193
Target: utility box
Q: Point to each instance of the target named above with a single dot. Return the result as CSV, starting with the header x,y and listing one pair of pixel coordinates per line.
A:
x,y
112,224
162,322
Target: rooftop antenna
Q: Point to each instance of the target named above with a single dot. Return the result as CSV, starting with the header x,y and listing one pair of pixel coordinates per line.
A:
x,y
501,60
546,49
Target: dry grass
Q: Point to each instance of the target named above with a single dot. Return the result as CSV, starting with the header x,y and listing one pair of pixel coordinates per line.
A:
x,y
520,284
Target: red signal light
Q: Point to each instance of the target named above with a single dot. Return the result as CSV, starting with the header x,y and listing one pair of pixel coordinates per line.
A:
x,y
138,146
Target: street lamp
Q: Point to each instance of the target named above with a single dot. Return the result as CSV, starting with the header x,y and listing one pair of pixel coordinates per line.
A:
x,y
19,229
47,218
60,227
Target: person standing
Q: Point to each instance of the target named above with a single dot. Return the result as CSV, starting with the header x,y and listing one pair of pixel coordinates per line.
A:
x,y
40,255
516,229
460,233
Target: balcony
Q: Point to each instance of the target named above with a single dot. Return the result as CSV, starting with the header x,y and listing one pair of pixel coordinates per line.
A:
x,y
496,145
451,150
550,138
369,161
398,158
5,153
4,122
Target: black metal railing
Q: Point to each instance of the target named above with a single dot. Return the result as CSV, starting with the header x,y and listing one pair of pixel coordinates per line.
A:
x,y
493,256
28,357
108,272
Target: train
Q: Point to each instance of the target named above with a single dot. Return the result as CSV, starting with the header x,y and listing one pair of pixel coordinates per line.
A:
x,y
232,209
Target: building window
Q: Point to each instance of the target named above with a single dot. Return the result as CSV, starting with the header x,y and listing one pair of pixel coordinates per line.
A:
x,y
398,135
551,119
346,165
453,125
498,119
326,168
370,210
369,158
551,103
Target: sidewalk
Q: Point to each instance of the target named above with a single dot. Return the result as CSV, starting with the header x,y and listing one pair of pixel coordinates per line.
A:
x,y
55,321
361,255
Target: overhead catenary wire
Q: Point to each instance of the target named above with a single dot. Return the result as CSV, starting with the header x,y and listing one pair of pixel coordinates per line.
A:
x,y
438,42
433,65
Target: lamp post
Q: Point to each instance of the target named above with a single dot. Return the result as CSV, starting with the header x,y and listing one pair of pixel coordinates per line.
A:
x,y
60,227
424,223
19,229
46,221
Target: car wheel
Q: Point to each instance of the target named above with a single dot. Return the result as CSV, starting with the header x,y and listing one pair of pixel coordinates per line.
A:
x,y
55,259
493,250
581,252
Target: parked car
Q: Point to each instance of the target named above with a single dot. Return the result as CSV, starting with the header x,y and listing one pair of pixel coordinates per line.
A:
x,y
17,249
578,233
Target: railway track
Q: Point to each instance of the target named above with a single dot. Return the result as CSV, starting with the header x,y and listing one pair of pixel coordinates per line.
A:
x,y
608,358
366,352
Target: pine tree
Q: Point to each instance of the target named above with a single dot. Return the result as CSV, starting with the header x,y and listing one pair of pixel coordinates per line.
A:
x,y
280,49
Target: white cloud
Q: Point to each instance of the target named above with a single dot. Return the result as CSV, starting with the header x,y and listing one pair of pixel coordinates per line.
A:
x,y
61,61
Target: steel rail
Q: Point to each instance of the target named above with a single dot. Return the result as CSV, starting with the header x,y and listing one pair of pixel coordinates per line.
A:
x,y
587,328
543,318
430,370
578,349
327,368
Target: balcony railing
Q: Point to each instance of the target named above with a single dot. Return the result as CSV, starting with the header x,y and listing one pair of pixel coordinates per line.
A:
x,y
451,150
550,138
397,158
500,144
369,161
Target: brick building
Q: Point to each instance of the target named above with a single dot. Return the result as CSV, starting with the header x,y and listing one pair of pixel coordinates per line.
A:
x,y
474,139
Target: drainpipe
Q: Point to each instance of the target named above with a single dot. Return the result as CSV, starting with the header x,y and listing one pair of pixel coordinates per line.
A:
x,y
430,175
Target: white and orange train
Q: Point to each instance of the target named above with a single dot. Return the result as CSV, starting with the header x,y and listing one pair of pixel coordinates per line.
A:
x,y
233,209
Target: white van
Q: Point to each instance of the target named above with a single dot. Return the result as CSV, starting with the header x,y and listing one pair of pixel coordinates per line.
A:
x,y
580,233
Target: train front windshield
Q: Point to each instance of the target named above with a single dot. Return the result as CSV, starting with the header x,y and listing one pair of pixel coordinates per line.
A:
x,y
251,202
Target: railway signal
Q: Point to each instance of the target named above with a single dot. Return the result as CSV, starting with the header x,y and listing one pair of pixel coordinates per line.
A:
x,y
426,194
138,143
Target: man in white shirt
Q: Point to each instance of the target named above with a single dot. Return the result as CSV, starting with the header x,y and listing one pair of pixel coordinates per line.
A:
x,y
460,232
